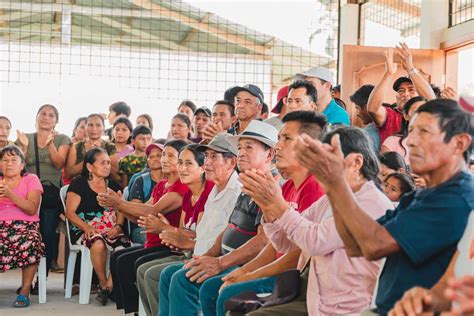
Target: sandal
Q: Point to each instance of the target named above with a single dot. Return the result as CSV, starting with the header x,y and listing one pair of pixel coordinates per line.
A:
x,y
103,296
21,301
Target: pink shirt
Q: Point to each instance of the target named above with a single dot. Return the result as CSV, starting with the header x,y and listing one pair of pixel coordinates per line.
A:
x,y
392,143
9,211
337,284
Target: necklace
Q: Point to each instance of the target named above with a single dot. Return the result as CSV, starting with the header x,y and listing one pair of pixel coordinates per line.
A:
x,y
195,197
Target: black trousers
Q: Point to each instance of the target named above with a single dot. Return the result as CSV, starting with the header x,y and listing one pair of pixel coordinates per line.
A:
x,y
123,265
49,219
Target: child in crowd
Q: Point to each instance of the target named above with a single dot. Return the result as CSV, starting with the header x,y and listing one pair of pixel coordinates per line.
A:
x,y
136,161
396,184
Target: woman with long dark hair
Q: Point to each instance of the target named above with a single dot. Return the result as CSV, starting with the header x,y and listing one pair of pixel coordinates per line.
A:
x,y
45,152
398,142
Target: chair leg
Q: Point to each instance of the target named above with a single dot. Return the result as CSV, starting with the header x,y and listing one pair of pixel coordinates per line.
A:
x,y
42,281
71,264
107,263
86,276
141,308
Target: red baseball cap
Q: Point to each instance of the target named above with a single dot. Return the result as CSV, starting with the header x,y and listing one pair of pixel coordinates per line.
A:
x,y
151,146
282,93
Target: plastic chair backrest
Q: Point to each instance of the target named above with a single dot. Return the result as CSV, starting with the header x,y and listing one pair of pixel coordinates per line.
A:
x,y
125,194
62,194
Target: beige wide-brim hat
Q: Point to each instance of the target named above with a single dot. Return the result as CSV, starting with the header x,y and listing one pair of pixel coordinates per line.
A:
x,y
258,130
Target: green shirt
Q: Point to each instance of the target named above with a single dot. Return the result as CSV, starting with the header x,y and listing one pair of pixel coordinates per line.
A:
x,y
131,164
47,170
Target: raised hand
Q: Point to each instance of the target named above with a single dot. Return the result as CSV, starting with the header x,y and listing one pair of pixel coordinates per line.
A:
x,y
390,66
265,191
174,239
325,161
51,137
449,93
406,58
5,190
212,129
110,199
22,139
152,224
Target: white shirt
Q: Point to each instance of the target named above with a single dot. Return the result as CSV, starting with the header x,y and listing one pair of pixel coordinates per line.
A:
x,y
216,214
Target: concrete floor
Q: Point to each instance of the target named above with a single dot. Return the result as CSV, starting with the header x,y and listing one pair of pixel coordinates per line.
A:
x,y
56,303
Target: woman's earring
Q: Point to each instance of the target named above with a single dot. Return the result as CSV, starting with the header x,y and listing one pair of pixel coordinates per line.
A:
x,y
90,176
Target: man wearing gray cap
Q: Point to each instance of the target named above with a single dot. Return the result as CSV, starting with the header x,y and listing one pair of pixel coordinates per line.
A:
x,y
184,290
219,166
248,101
322,79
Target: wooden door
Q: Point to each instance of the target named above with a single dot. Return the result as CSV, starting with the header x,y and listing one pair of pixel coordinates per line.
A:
x,y
365,65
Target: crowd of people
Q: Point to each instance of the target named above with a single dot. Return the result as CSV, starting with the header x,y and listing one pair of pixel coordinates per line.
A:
x,y
236,212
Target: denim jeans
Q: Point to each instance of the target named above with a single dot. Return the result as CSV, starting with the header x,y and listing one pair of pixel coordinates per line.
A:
x,y
259,286
180,296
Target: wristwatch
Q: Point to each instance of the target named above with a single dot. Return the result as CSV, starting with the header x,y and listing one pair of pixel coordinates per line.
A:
x,y
412,71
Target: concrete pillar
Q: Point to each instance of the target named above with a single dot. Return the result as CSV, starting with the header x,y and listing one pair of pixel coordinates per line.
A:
x,y
434,20
348,35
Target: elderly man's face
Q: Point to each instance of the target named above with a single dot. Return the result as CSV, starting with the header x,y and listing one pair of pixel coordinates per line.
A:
x,y
428,151
246,106
252,154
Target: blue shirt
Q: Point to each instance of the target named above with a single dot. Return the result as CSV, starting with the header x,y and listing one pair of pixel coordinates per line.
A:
x,y
374,136
336,115
427,225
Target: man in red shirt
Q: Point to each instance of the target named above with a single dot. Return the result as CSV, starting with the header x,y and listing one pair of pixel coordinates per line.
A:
x,y
388,120
301,190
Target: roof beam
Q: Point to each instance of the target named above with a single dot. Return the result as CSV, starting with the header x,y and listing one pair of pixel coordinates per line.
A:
x,y
191,34
162,12
400,6
140,34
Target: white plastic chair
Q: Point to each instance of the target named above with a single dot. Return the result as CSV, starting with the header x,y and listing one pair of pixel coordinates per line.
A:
x,y
86,263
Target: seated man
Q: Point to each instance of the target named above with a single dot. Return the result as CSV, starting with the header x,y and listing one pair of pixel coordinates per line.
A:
x,y
440,297
182,286
336,283
418,238
219,165
300,190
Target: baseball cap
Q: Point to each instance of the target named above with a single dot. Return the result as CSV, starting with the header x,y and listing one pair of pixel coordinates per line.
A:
x,y
257,130
204,110
317,72
282,93
151,146
250,88
399,81
219,144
